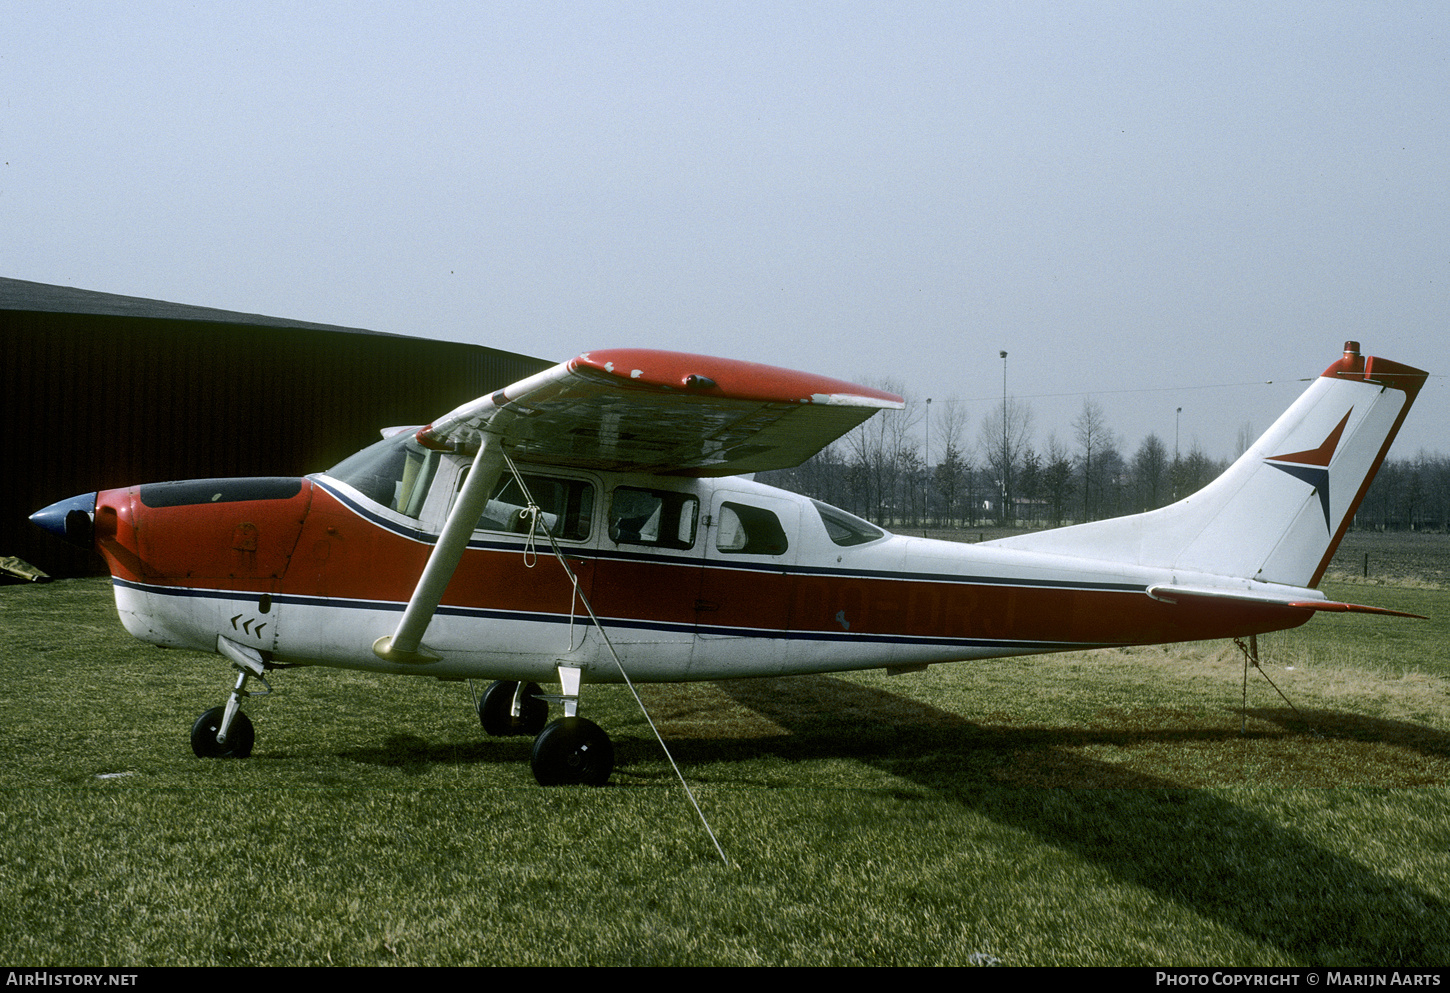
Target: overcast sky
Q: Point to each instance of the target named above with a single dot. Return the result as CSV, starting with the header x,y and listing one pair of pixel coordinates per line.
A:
x,y
1157,205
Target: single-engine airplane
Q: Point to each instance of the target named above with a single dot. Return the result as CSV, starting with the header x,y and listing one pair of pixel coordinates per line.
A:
x,y
427,554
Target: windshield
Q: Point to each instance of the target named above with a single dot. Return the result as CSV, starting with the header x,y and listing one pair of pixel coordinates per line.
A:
x,y
395,472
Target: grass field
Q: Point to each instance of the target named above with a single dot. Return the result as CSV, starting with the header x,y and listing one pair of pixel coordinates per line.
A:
x,y
1094,808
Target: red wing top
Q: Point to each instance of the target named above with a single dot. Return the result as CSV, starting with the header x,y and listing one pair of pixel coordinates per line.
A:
x,y
638,410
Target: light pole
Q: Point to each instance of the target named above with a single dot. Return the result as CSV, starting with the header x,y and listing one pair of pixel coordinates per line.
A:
x,y
1006,462
926,446
926,464
1176,471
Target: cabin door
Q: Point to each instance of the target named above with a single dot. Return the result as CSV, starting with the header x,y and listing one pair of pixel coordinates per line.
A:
x,y
746,587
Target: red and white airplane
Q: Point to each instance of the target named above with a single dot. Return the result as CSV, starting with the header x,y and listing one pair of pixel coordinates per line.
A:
x,y
429,553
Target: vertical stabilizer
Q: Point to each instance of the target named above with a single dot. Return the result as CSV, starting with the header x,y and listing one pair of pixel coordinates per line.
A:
x,y
1278,513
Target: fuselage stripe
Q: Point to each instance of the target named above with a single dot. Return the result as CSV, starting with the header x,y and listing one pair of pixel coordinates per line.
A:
x,y
610,623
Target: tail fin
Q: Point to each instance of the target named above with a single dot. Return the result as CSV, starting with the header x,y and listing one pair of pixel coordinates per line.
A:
x,y
1278,513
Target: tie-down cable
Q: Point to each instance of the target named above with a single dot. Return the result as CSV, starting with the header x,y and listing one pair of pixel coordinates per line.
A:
x,y
536,523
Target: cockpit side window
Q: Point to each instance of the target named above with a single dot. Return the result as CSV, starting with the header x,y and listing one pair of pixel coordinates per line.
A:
x,y
567,506
396,472
661,518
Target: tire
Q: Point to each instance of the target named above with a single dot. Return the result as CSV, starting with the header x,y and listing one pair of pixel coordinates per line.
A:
x,y
239,741
498,700
572,752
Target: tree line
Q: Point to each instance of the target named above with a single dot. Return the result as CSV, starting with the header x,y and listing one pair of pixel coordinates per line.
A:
x,y
900,471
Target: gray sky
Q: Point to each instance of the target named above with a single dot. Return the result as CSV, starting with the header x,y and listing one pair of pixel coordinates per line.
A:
x,y
1157,204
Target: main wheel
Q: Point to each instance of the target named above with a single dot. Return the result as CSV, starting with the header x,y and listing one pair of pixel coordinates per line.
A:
x,y
239,739
498,700
572,751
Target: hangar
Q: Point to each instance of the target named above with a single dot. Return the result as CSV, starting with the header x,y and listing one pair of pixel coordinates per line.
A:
x,y
99,390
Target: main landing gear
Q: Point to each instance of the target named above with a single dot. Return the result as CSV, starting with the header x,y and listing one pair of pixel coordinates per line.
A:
x,y
570,751
512,709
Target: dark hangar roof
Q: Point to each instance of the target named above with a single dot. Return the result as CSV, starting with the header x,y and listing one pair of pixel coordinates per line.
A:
x,y
20,295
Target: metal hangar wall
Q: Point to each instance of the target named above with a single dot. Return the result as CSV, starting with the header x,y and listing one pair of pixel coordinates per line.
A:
x,y
99,391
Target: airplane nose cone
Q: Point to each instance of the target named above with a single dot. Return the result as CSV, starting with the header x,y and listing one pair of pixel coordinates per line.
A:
x,y
70,519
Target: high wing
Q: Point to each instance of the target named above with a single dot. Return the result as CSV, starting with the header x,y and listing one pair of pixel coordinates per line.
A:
x,y
631,410
637,410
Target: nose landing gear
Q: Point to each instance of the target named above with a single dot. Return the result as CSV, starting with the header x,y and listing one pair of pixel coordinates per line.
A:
x,y
207,744
226,732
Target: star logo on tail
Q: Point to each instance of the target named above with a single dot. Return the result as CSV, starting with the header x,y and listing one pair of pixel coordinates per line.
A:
x,y
1312,466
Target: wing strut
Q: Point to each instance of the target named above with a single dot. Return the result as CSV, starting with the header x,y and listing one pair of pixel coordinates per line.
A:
x,y
406,643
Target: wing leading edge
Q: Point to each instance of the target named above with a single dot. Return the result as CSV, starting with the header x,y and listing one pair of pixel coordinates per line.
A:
x,y
669,413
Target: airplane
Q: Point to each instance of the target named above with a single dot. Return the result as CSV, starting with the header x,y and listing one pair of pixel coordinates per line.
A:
x,y
428,553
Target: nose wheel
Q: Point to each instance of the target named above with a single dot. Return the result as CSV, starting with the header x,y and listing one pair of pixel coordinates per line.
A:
x,y
239,740
226,732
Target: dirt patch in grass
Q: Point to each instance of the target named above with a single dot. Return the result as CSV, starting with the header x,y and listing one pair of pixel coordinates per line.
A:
x,y
1402,558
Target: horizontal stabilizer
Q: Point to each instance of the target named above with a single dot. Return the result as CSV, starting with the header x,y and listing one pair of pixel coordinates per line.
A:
x,y
1298,599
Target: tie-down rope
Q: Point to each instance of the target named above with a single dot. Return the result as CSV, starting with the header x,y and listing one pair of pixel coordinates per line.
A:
x,y
535,523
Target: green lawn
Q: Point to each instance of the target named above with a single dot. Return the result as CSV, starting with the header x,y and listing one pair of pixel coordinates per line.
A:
x,y
1095,808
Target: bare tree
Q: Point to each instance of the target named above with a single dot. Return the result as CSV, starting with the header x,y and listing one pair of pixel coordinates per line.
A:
x,y
952,465
1001,451
1244,438
1115,480
1193,471
1057,480
1026,503
1093,437
877,452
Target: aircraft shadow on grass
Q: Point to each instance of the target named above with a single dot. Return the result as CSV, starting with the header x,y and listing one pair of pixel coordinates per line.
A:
x,y
1337,724
415,755
1189,845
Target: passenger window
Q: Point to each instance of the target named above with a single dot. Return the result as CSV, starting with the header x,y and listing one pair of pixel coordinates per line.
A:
x,y
846,529
662,518
566,504
747,530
